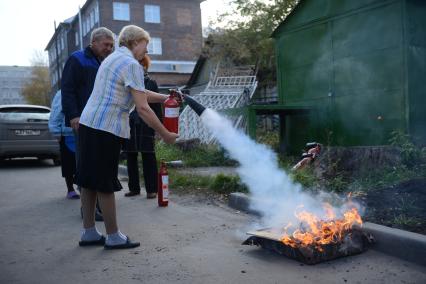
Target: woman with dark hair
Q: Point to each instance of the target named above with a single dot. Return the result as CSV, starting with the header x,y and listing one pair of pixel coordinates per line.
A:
x,y
142,140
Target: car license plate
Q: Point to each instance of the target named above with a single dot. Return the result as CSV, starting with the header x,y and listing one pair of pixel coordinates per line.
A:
x,y
27,132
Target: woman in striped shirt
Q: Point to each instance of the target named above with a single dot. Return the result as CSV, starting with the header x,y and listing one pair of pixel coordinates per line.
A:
x,y
104,124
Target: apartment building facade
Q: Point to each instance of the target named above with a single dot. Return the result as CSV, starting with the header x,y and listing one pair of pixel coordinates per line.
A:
x,y
12,80
174,26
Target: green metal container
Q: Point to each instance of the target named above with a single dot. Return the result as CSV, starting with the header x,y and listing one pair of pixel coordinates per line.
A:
x,y
360,66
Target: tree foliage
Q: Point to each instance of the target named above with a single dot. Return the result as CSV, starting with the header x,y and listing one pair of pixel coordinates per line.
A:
x,y
246,39
36,90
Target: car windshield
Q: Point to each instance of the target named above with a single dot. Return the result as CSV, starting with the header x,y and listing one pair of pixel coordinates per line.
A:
x,y
28,114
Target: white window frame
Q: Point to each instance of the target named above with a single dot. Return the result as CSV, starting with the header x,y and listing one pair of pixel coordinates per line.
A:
x,y
152,14
62,42
97,14
155,46
84,27
92,18
120,11
88,28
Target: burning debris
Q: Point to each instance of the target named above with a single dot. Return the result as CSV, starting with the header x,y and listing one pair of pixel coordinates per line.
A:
x,y
315,240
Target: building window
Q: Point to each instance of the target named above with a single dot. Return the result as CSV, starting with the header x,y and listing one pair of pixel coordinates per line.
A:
x,y
92,18
62,42
154,46
121,11
152,14
77,39
97,14
88,24
84,27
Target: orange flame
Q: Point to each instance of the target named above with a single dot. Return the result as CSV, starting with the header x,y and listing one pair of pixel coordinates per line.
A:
x,y
316,233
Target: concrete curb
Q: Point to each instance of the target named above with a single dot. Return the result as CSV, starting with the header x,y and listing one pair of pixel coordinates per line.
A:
x,y
399,243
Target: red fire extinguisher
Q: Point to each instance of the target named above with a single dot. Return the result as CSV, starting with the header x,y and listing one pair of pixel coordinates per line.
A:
x,y
171,112
163,186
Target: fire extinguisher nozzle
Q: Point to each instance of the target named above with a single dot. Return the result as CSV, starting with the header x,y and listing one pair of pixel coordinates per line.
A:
x,y
196,106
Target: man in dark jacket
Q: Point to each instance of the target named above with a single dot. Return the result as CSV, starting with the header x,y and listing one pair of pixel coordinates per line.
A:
x,y
78,79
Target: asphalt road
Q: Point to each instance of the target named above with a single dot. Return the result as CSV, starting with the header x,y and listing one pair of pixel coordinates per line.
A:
x,y
193,240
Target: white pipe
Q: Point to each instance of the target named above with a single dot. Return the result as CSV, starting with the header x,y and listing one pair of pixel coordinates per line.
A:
x,y
80,33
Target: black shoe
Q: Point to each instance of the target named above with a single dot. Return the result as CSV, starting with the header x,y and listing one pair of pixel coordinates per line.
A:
x,y
151,195
132,193
128,244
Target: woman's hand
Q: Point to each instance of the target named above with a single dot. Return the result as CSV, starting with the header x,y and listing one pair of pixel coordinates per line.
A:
x,y
170,137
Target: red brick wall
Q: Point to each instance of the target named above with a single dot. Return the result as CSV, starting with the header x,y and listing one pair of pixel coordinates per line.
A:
x,y
181,36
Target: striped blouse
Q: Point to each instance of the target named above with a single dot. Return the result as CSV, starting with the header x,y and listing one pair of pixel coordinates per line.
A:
x,y
111,101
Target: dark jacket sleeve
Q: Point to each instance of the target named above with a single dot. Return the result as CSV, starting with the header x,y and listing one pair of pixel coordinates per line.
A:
x,y
156,107
70,88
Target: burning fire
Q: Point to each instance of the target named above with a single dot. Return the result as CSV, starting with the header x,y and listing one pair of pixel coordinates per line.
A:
x,y
314,232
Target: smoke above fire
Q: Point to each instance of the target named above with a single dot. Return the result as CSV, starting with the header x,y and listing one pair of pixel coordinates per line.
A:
x,y
273,193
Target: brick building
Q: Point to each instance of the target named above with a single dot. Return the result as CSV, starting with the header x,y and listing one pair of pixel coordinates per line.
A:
x,y
174,26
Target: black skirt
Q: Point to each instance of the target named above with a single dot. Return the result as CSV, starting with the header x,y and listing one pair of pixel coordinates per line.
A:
x,y
98,158
68,166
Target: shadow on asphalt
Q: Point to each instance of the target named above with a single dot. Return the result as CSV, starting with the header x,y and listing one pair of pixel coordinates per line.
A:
x,y
25,163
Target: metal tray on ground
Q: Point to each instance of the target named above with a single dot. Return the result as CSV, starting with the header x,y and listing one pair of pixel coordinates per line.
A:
x,y
355,242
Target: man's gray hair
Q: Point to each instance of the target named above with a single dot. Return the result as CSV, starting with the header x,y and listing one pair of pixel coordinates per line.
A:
x,y
100,33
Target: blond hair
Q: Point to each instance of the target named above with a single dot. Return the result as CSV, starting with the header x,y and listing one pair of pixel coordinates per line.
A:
x,y
131,35
99,33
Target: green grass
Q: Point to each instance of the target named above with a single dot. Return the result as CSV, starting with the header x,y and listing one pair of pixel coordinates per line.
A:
x,y
386,177
270,138
226,184
220,184
402,221
201,156
340,182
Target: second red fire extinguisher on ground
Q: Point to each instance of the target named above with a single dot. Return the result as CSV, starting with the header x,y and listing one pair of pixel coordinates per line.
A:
x,y
163,186
171,112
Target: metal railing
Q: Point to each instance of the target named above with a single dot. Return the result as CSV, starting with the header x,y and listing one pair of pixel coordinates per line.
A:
x,y
235,81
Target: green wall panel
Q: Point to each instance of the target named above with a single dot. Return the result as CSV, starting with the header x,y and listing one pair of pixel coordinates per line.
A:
x,y
314,10
363,32
416,62
380,69
360,64
305,61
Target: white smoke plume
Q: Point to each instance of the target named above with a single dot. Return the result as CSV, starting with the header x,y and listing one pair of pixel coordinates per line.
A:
x,y
272,191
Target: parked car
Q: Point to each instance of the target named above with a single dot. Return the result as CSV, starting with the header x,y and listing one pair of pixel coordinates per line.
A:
x,y
24,133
